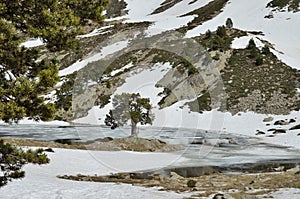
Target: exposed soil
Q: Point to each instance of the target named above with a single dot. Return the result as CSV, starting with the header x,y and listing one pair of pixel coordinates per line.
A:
x,y
203,186
104,144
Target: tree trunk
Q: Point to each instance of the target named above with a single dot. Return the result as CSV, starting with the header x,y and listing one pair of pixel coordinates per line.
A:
x,y
134,132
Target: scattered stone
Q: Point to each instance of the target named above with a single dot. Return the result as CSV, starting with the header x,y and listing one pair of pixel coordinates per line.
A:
x,y
260,132
106,139
49,150
219,196
222,196
295,127
174,175
279,131
197,141
268,119
281,122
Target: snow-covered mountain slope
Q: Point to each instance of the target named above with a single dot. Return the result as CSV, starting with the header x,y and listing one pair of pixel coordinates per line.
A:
x,y
252,18
282,30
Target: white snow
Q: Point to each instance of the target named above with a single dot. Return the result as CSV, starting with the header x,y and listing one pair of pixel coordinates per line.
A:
x,y
128,66
140,11
242,42
9,75
41,181
107,50
282,30
96,32
32,43
142,82
291,193
50,97
29,121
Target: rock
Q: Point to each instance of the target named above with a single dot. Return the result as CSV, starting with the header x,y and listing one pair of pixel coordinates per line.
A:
x,y
219,196
295,127
260,132
174,175
281,122
279,131
268,119
292,121
222,196
106,139
197,141
49,150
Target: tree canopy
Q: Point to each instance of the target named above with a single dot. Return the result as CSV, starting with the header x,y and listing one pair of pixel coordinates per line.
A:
x,y
23,77
129,107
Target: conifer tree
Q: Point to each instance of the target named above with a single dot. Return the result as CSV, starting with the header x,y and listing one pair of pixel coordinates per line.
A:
x,y
229,23
23,77
129,108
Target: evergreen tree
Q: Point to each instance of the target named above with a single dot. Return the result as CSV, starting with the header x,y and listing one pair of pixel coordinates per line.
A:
x,y
221,31
229,23
129,107
23,77
251,44
265,50
12,160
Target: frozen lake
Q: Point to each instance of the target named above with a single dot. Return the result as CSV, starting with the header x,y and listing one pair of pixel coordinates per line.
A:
x,y
201,147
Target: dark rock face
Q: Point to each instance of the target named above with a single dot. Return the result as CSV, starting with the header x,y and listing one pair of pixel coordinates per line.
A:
x,y
295,127
49,150
219,196
260,132
279,131
281,122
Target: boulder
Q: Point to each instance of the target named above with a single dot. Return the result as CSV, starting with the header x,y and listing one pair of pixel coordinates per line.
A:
x,y
295,127
279,131
222,196
260,132
268,119
281,122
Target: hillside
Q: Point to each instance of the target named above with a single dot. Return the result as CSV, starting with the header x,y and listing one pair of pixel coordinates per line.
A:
x,y
198,70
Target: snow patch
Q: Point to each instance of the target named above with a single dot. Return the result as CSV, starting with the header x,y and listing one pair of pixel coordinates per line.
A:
x,y
242,42
41,181
142,82
282,30
96,32
32,43
107,50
